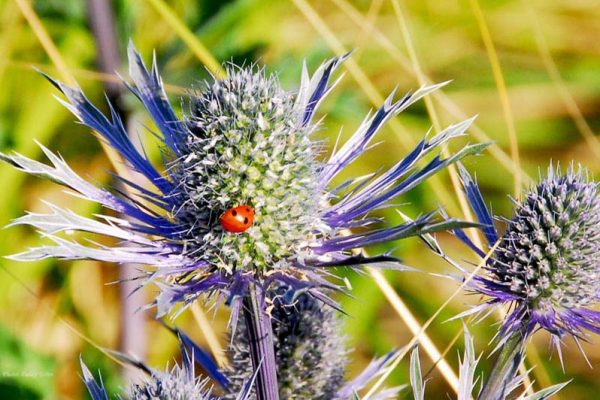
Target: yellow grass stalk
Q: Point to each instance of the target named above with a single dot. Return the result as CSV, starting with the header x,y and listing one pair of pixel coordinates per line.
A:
x,y
45,40
52,51
83,74
209,334
448,104
462,199
188,37
366,30
502,93
570,104
419,335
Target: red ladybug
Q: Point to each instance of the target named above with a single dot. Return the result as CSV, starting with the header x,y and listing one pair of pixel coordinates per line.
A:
x,y
237,219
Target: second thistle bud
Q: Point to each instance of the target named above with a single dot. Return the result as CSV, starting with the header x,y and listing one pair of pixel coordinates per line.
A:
x,y
309,349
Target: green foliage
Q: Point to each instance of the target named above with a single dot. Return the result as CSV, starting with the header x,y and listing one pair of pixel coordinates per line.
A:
x,y
25,374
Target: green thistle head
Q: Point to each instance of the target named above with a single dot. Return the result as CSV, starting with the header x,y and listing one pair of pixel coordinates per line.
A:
x,y
246,148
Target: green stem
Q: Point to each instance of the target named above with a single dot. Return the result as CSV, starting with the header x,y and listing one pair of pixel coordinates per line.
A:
x,y
505,368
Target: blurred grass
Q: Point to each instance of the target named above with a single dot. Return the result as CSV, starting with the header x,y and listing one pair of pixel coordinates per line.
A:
x,y
449,46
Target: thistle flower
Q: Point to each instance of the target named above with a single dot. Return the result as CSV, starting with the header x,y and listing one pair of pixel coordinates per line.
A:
x,y
242,142
547,264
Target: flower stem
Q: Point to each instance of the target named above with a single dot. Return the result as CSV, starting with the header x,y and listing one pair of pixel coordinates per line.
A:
x,y
505,368
260,341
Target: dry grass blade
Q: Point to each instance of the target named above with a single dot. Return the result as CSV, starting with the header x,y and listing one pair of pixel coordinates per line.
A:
x,y
447,103
118,165
83,74
366,30
542,377
502,93
189,38
209,334
50,48
571,105
45,40
456,185
419,334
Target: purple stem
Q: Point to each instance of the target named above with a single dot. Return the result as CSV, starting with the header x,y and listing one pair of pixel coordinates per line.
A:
x,y
260,342
102,23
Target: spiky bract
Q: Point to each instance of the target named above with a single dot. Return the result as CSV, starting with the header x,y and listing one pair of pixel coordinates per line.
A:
x,y
468,379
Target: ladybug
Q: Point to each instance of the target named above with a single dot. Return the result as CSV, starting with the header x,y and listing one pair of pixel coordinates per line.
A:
x,y
237,219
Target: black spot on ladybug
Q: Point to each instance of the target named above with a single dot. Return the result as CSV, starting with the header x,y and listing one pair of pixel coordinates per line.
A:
x,y
247,210
245,220
233,212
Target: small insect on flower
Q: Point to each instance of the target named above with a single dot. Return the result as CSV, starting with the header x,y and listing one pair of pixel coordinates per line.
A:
x,y
238,140
237,219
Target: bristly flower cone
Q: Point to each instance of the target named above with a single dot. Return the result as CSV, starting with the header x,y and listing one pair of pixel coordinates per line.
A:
x,y
547,263
310,350
176,384
549,253
243,148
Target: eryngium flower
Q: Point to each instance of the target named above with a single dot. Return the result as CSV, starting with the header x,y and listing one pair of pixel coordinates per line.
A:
x,y
547,264
242,141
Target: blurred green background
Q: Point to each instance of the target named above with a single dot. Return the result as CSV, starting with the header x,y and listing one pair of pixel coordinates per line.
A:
x,y
549,55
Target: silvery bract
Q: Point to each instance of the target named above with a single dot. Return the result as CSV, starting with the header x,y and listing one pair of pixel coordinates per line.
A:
x,y
467,383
